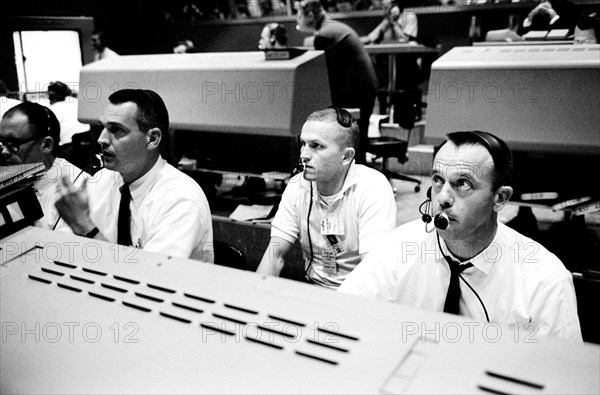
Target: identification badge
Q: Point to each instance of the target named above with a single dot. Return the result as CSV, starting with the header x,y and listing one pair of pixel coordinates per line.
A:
x,y
332,226
336,244
329,263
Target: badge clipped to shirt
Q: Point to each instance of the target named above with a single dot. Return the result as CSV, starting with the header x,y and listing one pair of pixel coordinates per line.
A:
x,y
332,226
336,244
329,263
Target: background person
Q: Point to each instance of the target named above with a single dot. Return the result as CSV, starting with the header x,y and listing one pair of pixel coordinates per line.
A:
x,y
352,78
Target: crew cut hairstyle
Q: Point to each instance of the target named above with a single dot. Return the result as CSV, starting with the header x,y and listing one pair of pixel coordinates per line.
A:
x,y
346,137
498,149
42,121
152,112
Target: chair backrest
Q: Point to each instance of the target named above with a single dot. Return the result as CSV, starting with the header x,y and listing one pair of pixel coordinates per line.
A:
x,y
228,255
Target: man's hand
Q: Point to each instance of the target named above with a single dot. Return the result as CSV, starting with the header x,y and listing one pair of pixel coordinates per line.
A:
x,y
73,207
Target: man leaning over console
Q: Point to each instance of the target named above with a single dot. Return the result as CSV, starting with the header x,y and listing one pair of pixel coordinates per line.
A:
x,y
337,208
139,199
505,277
30,133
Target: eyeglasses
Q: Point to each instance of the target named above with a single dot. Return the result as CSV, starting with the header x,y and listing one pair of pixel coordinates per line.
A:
x,y
14,146
344,118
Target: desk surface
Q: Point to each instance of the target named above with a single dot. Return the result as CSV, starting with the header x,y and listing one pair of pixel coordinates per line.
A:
x,y
181,326
400,48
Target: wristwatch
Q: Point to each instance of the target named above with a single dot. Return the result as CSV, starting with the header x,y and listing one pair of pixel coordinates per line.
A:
x,y
92,233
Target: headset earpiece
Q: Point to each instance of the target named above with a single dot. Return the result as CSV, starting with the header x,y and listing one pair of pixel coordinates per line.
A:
x,y
425,214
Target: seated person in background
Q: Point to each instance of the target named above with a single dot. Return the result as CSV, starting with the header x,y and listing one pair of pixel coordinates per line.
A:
x,y
508,278
184,46
138,198
586,31
29,133
273,35
100,44
337,208
64,106
397,25
6,102
551,14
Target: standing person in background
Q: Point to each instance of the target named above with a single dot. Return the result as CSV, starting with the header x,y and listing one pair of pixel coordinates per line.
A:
x,y
352,78
100,44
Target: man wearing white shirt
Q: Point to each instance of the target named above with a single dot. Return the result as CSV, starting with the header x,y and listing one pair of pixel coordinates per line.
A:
x,y
29,133
139,199
101,49
337,208
505,278
64,107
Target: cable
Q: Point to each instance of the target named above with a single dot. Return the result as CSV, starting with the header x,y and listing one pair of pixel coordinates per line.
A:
x,y
60,217
487,317
308,231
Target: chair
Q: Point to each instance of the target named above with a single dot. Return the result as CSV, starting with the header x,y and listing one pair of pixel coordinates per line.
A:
x,y
228,255
407,107
391,147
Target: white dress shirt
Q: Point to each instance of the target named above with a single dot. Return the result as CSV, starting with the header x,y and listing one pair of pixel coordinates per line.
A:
x,y
521,284
47,191
169,211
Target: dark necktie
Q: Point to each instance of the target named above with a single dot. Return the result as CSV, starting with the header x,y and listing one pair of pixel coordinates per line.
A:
x,y
123,224
453,295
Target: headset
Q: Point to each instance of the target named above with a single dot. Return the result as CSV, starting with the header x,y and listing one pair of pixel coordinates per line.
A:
x,y
277,34
344,118
440,221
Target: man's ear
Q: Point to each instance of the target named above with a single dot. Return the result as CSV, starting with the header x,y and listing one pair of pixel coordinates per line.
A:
x,y
153,138
47,144
502,196
349,153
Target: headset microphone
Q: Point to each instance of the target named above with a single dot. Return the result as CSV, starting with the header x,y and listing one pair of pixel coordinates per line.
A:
x,y
98,162
298,169
441,221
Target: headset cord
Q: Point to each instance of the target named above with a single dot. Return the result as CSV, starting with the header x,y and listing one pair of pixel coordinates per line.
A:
x,y
308,232
60,217
487,317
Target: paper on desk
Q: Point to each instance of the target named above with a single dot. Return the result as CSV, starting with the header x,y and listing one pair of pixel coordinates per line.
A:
x,y
247,213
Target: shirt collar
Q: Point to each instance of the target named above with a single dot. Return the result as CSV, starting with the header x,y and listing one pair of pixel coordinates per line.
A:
x,y
140,187
485,259
350,180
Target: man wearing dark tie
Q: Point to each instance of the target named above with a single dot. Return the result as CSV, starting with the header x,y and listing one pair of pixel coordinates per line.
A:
x,y
467,262
139,199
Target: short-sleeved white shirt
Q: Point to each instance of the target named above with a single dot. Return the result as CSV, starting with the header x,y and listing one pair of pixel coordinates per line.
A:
x,y
365,205
47,192
517,279
169,211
